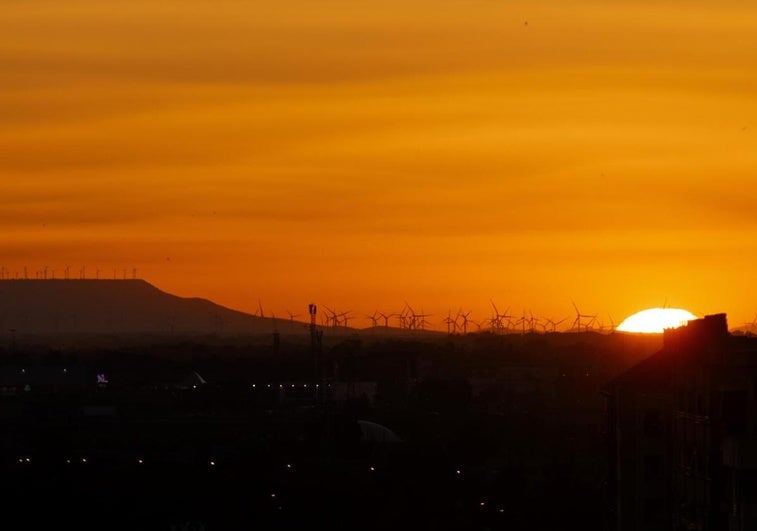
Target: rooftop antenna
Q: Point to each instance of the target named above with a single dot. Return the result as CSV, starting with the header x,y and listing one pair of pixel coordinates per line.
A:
x,y
749,327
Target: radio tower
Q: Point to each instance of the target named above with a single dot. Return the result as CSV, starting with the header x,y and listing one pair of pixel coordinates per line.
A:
x,y
315,350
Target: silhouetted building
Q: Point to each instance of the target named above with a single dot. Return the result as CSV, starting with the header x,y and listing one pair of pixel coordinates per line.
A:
x,y
682,434
16,380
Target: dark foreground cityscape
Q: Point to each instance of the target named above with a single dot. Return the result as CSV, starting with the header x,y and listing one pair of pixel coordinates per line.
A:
x,y
530,431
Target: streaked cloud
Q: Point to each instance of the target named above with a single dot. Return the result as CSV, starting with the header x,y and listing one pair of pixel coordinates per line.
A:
x,y
362,150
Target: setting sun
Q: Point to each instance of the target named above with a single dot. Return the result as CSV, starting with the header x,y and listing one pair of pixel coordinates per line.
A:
x,y
655,320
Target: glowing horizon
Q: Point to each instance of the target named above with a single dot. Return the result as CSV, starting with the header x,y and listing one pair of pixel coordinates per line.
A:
x,y
655,320
362,154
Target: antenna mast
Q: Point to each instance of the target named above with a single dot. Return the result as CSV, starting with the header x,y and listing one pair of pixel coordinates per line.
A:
x,y
315,349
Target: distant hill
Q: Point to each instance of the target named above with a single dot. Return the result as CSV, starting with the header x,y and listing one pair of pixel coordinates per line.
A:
x,y
121,307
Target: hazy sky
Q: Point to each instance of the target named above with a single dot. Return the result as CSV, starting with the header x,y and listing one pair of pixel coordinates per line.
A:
x,y
360,154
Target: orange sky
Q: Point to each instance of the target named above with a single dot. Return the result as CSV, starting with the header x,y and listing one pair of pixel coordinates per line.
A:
x,y
360,154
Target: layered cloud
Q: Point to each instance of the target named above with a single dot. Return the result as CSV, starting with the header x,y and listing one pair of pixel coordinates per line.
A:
x,y
378,151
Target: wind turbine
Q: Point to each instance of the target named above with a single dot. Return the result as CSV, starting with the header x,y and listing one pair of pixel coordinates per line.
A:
x,y
421,317
333,318
464,317
292,316
553,325
578,323
522,322
509,318
533,322
407,317
374,319
495,322
386,317
450,322
345,317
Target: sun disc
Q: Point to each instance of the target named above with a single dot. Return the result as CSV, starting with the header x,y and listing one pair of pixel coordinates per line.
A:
x,y
656,320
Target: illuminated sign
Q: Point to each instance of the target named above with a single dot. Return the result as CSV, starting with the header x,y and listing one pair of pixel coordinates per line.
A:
x,y
102,379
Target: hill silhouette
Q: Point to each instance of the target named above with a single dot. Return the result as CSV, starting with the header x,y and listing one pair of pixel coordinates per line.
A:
x,y
87,306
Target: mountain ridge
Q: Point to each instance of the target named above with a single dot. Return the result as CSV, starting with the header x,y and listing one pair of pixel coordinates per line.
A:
x,y
132,306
